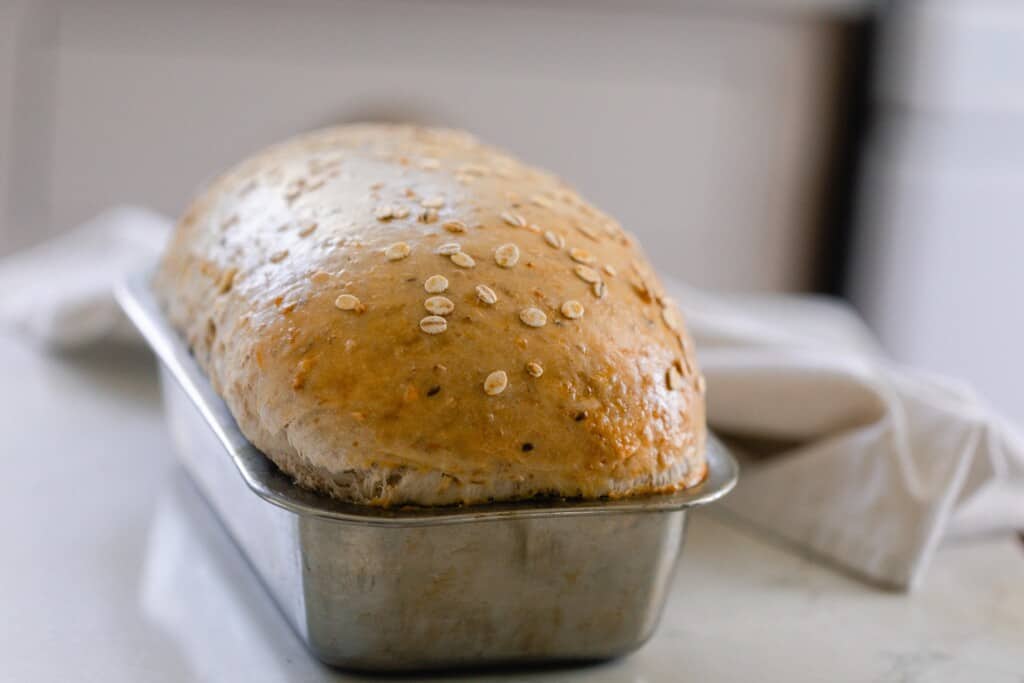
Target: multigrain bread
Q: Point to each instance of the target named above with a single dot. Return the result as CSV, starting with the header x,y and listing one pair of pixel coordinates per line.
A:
x,y
401,315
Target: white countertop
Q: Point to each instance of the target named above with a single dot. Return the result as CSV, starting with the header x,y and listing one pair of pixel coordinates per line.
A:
x,y
113,570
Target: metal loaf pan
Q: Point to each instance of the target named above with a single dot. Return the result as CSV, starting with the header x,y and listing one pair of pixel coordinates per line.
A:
x,y
422,588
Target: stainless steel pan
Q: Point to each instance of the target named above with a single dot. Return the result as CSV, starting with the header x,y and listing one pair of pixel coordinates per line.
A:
x,y
419,588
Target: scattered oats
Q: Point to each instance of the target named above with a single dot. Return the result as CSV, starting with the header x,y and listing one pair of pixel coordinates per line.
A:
x,y
687,365
463,260
384,212
534,369
581,256
308,230
533,317
541,201
640,287
429,216
433,324
535,229
320,277
496,383
227,280
474,169
279,256
435,284
589,232
486,295
432,202
554,239
454,226
400,212
376,186
317,185
609,269
430,164
572,309
702,384
347,302
671,317
410,193
587,274
397,251
513,219
448,248
507,255
439,305
674,379
599,289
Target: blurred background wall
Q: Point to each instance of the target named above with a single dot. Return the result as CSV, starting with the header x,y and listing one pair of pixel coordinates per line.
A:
x,y
706,128
866,149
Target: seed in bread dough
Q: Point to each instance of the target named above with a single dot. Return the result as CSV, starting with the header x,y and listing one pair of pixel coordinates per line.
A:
x,y
533,317
534,369
463,260
541,201
385,212
439,305
674,379
507,255
486,295
599,289
554,239
581,255
496,382
432,202
279,256
609,269
587,274
433,324
513,219
397,251
448,248
572,309
347,302
671,318
436,284
454,226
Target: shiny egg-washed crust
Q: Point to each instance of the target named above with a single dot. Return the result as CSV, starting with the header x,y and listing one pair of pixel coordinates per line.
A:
x,y
353,398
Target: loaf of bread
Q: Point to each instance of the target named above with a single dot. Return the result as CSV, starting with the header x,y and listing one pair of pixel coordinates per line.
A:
x,y
401,315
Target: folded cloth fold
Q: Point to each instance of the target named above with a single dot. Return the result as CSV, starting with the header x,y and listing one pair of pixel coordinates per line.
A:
x,y
59,293
848,456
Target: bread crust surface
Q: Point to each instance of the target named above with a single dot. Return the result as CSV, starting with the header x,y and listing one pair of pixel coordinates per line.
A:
x,y
401,315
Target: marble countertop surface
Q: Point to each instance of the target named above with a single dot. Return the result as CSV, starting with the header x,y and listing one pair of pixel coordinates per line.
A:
x,y
114,570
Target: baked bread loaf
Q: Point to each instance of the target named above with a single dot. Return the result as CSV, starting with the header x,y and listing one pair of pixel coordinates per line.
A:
x,y
401,315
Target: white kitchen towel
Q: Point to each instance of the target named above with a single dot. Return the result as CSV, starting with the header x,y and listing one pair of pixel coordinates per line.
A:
x,y
848,456
851,457
60,293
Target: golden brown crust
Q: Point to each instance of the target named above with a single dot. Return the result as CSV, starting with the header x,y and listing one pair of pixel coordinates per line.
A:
x,y
544,360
